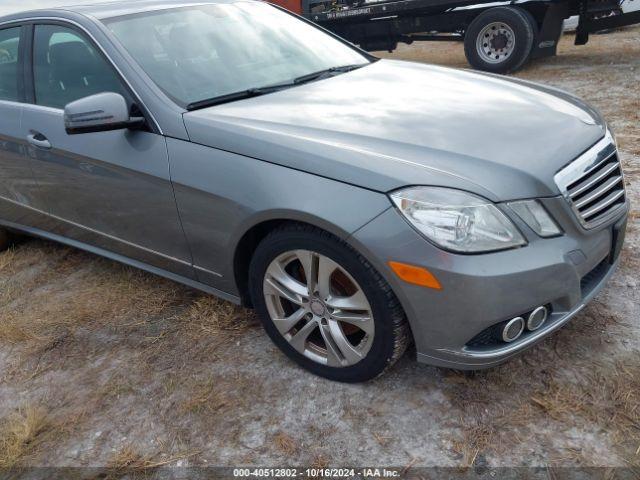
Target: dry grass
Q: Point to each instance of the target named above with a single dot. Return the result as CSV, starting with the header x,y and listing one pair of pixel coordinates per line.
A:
x,y
607,395
12,330
117,385
499,413
208,315
206,397
68,294
129,460
319,461
22,434
382,440
475,439
43,309
128,457
60,307
8,260
285,443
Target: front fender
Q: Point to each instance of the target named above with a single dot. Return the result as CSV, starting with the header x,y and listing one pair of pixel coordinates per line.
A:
x,y
221,196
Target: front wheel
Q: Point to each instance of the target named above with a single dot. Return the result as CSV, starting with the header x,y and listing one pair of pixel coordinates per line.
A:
x,y
325,306
500,40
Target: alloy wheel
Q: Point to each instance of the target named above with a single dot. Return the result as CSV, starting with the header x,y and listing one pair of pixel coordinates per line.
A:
x,y
319,308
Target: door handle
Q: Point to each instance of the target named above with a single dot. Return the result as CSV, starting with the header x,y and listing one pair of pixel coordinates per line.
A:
x,y
38,140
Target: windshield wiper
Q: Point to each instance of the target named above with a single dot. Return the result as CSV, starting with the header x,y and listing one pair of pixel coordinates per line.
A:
x,y
256,92
325,73
232,97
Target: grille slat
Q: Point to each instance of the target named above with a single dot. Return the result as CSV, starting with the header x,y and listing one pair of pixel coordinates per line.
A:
x,y
589,171
604,204
594,183
598,192
590,182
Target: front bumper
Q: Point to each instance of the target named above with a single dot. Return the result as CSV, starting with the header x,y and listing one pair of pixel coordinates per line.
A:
x,y
479,291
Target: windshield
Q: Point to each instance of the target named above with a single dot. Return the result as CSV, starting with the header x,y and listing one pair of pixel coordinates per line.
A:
x,y
207,51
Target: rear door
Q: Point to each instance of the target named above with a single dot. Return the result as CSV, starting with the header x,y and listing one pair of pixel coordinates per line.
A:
x,y
17,186
108,189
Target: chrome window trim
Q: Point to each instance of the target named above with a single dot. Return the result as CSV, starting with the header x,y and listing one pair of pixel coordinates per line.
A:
x,y
100,47
591,159
9,22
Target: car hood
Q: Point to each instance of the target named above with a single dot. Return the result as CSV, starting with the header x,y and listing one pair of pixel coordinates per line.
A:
x,y
393,124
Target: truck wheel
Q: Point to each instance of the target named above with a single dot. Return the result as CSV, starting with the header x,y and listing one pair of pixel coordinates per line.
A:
x,y
500,39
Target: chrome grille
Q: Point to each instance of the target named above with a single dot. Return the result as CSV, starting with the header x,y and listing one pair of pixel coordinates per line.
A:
x,y
594,184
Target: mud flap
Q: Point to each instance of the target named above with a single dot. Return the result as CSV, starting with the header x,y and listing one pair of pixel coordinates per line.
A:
x,y
546,42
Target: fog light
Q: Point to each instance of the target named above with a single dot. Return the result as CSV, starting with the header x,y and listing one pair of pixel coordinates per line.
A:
x,y
537,318
513,329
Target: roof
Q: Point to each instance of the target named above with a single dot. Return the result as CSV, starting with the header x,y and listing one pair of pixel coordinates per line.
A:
x,y
117,8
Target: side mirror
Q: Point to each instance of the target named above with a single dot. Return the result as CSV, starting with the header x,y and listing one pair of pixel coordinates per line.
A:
x,y
99,113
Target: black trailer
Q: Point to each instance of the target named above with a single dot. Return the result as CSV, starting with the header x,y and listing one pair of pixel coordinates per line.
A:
x,y
498,36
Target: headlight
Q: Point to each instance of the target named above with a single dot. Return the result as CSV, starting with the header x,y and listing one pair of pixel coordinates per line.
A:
x,y
534,214
457,220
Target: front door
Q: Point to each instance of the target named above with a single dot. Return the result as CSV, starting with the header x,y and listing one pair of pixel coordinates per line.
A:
x,y
107,189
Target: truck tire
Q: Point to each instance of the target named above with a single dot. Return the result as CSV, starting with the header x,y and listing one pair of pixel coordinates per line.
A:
x,y
500,40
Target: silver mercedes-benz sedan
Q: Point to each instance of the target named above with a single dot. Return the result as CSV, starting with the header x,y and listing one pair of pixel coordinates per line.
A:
x,y
359,205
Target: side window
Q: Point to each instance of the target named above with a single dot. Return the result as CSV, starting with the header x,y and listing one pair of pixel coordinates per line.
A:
x,y
67,67
9,71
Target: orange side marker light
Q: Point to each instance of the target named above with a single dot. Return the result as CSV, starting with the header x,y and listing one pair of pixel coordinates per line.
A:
x,y
415,275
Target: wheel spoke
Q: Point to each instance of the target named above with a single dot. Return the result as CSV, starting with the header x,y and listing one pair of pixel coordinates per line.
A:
x,y
333,352
283,284
285,324
326,267
357,301
272,287
361,320
350,354
299,340
309,263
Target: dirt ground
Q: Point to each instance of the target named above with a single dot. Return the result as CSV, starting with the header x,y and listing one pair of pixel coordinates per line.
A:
x,y
103,365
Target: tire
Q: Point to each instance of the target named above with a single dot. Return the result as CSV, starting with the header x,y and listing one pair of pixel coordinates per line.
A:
x,y
5,239
382,333
515,31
